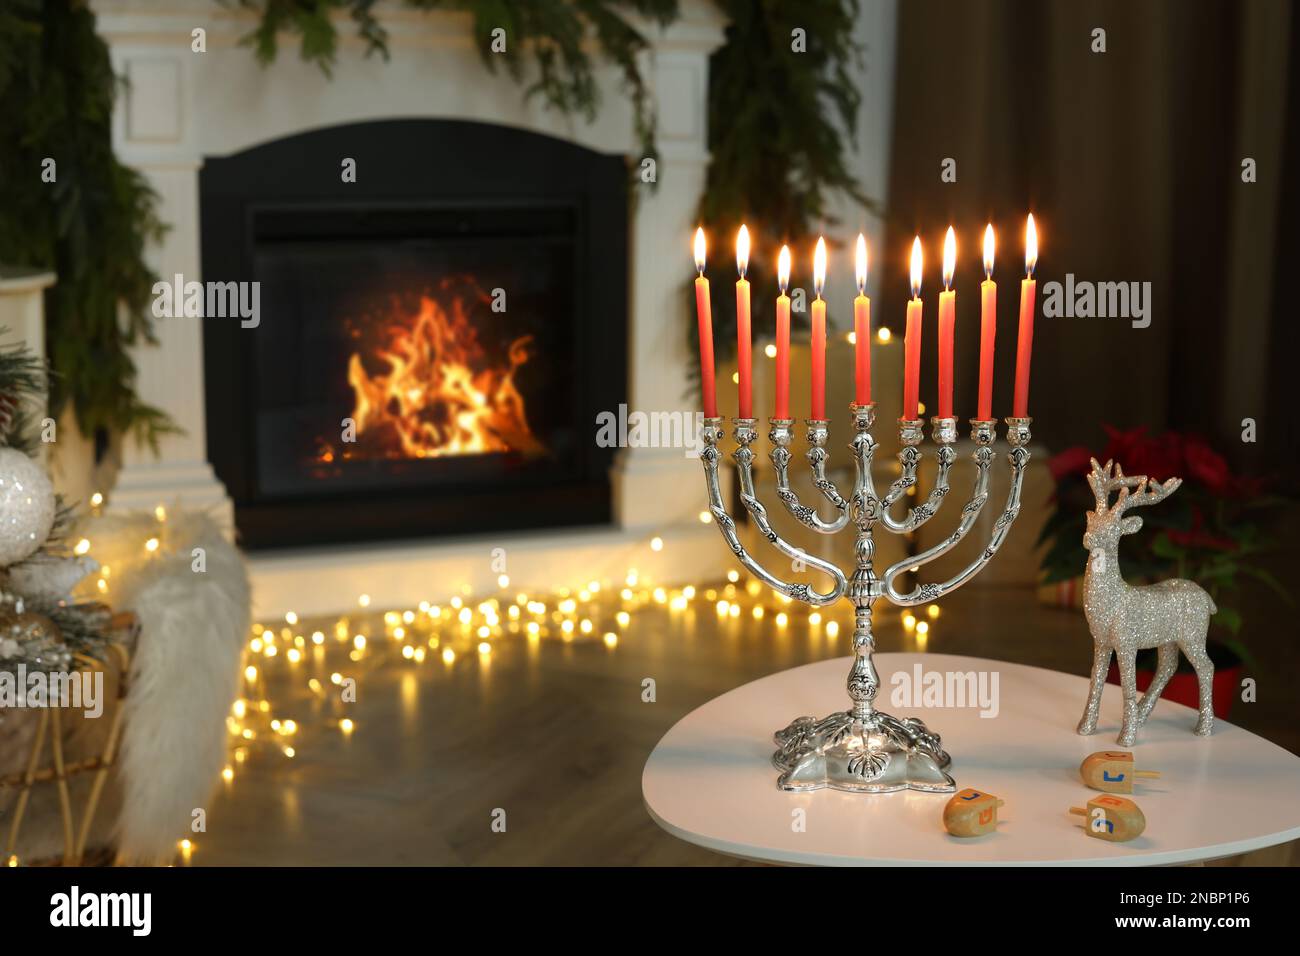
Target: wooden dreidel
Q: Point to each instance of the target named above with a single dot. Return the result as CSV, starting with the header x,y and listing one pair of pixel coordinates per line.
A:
x,y
971,813
1112,818
1111,771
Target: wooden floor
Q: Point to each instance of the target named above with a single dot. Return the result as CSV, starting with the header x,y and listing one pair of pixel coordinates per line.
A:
x,y
555,733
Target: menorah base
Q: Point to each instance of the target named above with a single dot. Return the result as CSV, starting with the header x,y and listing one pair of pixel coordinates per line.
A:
x,y
875,754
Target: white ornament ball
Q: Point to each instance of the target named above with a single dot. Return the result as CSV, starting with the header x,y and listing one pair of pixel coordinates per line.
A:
x,y
26,507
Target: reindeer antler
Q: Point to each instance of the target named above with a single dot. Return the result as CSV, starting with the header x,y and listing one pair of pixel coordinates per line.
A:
x,y
1106,479
1142,496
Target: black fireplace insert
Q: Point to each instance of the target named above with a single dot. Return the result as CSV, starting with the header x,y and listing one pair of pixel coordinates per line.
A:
x,y
435,333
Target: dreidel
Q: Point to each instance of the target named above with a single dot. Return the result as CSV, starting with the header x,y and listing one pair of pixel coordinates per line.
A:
x,y
1116,819
1112,771
971,813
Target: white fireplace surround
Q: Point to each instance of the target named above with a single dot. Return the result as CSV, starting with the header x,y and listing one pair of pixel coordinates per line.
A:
x,y
181,106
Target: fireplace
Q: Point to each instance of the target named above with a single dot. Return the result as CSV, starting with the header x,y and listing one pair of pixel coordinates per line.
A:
x,y
434,339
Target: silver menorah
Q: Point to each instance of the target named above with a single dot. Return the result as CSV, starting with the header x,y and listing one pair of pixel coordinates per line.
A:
x,y
863,749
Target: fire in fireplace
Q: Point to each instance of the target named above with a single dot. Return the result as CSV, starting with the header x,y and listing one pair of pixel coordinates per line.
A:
x,y
433,349
425,384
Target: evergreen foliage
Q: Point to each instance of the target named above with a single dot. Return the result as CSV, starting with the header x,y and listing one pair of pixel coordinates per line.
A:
x,y
90,225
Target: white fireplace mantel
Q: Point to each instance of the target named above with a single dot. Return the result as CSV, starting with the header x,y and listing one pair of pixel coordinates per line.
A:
x,y
180,106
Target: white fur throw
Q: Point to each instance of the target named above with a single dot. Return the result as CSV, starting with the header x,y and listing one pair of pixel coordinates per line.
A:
x,y
184,673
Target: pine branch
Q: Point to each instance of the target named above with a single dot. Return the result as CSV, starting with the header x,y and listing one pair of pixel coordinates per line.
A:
x,y
550,36
89,223
778,155
22,377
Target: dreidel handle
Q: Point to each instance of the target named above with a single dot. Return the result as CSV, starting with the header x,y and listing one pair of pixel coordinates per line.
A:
x,y
1146,773
1079,811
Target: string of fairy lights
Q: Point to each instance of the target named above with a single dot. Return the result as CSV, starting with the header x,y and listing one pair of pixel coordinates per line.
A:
x,y
329,658
329,654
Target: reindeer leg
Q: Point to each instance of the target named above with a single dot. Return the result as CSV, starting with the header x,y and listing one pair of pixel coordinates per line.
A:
x,y
1166,664
1128,682
1100,665
1205,684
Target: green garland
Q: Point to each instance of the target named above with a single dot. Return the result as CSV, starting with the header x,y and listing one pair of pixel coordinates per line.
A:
x,y
778,155
550,33
90,225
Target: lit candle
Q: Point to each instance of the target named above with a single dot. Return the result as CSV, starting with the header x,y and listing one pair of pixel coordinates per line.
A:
x,y
988,328
704,316
1025,344
819,333
744,344
862,326
783,336
947,319
912,340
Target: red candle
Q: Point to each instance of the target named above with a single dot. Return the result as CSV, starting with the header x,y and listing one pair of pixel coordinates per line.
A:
x,y
744,344
783,336
818,403
1025,344
912,340
947,320
862,327
988,328
704,316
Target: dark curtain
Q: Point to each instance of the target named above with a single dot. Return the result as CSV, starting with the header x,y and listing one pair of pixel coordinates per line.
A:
x,y
1131,163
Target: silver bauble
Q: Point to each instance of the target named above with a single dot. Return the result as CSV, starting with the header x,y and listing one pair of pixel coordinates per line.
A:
x,y
26,506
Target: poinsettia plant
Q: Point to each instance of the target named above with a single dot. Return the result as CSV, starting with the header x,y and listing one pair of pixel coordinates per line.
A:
x,y
1209,532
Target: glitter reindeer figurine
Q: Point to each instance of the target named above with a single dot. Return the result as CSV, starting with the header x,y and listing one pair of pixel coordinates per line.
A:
x,y
1125,619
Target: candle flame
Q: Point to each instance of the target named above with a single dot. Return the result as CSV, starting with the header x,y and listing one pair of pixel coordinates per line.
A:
x,y
988,251
916,268
742,251
949,257
1031,246
783,269
819,267
699,250
860,264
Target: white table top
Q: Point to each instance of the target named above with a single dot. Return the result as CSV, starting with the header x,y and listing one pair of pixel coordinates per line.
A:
x,y
710,780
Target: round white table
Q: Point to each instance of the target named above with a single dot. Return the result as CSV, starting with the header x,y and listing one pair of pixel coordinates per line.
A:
x,y
710,780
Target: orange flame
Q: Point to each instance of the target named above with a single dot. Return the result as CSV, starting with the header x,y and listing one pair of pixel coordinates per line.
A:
x,y
819,267
916,268
1031,245
440,395
949,257
860,264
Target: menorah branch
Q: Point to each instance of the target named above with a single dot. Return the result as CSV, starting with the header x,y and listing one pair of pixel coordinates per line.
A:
x,y
910,434
744,458
983,434
779,436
